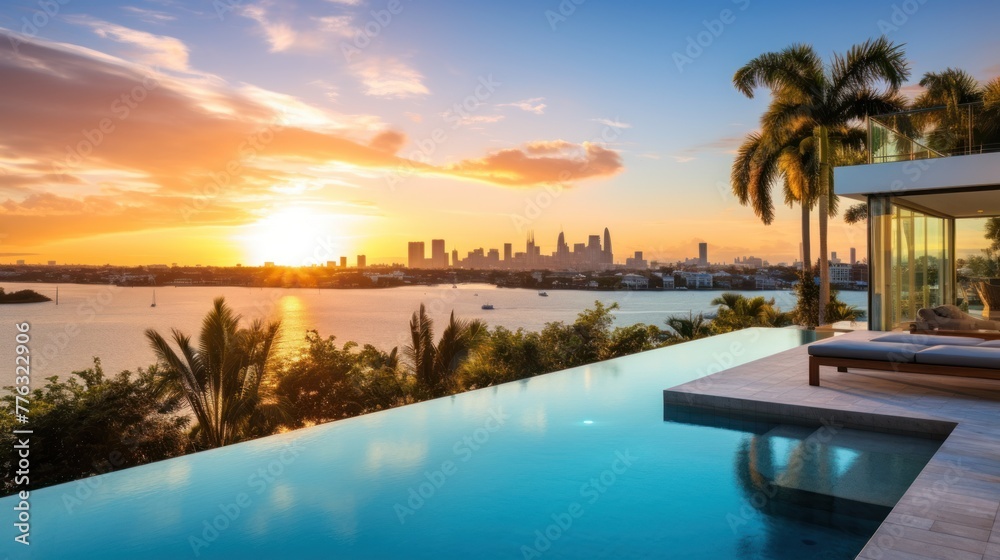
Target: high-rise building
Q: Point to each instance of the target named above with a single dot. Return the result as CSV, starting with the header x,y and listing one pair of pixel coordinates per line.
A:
x,y
331,264
608,256
362,261
508,252
343,262
854,256
703,254
562,250
415,255
454,257
439,257
594,249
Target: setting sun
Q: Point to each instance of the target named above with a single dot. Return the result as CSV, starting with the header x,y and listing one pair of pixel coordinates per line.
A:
x,y
293,235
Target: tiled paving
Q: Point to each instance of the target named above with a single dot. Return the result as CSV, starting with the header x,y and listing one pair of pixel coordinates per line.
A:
x,y
950,511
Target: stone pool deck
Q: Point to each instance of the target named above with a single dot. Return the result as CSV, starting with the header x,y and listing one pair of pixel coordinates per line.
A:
x,y
951,510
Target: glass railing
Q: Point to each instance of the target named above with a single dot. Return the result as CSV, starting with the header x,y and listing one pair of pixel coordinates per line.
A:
x,y
965,129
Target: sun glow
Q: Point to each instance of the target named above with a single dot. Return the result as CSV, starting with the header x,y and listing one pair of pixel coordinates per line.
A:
x,y
292,236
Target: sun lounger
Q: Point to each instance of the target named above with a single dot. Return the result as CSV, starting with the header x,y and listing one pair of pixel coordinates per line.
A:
x,y
909,353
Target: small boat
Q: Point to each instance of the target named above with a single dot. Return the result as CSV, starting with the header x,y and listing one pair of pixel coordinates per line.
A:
x,y
682,288
154,299
487,306
543,294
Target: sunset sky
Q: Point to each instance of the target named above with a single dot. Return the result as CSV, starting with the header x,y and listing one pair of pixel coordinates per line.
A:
x,y
243,131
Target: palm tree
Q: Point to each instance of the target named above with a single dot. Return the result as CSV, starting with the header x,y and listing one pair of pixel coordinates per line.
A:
x,y
950,90
221,377
737,311
435,366
688,328
830,101
763,159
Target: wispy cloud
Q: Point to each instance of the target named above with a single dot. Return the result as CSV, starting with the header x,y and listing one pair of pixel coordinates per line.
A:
x,y
390,77
725,145
533,105
469,119
314,34
149,16
159,51
613,123
330,91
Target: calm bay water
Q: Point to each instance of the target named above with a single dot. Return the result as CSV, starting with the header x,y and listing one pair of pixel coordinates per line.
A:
x,y
109,321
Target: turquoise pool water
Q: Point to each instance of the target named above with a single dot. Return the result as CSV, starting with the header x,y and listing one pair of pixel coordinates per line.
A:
x,y
575,464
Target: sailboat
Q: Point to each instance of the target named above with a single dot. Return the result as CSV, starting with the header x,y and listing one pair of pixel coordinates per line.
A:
x,y
154,299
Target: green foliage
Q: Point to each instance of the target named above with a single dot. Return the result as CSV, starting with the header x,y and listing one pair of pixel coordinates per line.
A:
x,y
806,312
90,428
506,356
632,339
684,329
737,311
837,310
435,366
511,355
222,378
856,213
580,343
326,382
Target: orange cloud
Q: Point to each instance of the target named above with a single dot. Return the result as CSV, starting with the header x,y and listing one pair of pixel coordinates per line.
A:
x,y
541,163
93,144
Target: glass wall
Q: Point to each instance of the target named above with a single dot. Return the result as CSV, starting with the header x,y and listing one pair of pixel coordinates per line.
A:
x,y
912,262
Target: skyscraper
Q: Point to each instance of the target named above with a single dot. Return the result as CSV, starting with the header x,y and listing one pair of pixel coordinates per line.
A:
x,y
439,258
703,253
609,257
343,262
594,249
854,256
362,261
508,252
416,254
562,250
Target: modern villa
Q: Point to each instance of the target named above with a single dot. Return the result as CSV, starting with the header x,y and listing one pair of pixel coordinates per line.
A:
x,y
920,189
715,448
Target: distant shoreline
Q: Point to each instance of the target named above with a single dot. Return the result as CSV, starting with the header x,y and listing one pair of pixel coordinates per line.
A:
x,y
414,285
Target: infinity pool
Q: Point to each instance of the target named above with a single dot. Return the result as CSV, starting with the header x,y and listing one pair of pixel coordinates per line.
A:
x,y
573,464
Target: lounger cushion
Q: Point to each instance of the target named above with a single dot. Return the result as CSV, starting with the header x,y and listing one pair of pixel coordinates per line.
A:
x,y
990,344
967,356
930,340
866,350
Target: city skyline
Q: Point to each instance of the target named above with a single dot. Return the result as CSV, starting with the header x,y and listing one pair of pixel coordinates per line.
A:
x,y
132,138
